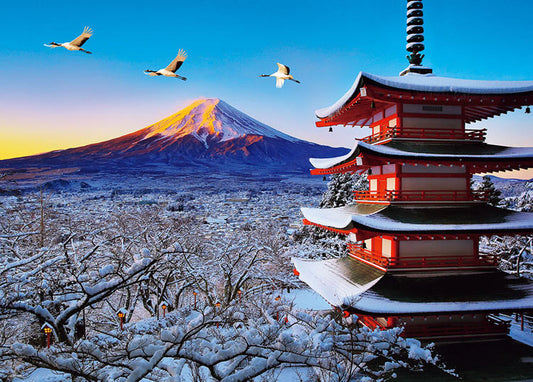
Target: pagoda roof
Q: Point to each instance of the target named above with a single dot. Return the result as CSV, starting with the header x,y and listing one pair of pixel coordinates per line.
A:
x,y
457,219
353,285
421,152
482,98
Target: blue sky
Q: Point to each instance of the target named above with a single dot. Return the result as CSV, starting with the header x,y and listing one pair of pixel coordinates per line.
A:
x,y
53,98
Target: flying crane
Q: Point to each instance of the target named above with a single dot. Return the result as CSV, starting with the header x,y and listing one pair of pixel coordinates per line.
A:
x,y
281,75
170,70
76,43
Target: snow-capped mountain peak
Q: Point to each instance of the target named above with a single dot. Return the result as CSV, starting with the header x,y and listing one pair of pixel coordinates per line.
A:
x,y
209,132
214,119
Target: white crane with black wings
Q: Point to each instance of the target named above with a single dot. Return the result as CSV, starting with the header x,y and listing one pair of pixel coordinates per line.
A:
x,y
76,43
170,70
281,75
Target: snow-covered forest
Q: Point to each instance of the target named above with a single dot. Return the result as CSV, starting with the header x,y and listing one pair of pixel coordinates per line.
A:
x,y
76,262
217,261
515,252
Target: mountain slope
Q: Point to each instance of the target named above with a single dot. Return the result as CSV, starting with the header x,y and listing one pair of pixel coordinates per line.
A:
x,y
208,132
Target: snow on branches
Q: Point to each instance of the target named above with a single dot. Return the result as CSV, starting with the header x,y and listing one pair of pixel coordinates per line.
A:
x,y
98,281
237,343
317,243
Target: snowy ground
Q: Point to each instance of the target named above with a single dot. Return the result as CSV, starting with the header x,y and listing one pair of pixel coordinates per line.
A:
x,y
44,375
222,204
306,299
521,335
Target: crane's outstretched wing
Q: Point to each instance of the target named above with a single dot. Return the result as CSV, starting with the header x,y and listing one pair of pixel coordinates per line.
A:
x,y
176,63
283,68
80,40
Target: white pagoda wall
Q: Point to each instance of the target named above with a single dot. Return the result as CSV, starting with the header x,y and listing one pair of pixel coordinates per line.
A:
x,y
431,109
451,180
432,169
430,248
419,178
432,123
434,184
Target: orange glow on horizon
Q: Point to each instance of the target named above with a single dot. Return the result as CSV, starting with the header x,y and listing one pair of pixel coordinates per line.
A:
x,y
15,144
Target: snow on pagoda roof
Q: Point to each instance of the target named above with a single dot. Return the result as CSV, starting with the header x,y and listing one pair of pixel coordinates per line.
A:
x,y
471,218
331,162
463,151
340,217
428,83
337,280
491,291
349,283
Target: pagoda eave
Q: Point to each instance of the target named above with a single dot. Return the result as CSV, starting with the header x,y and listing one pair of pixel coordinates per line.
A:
x,y
470,219
477,157
362,232
366,306
360,288
479,99
473,166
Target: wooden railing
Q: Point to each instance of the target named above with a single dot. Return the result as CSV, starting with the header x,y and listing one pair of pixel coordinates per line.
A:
x,y
421,195
452,328
359,252
378,259
489,327
432,133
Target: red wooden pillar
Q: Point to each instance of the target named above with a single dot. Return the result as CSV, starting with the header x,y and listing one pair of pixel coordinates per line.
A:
x,y
475,249
395,250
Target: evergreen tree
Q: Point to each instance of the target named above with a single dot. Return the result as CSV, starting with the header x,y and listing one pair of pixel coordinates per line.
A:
x,y
340,189
493,195
339,193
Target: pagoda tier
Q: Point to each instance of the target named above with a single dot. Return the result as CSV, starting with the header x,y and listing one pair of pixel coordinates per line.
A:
x,y
403,238
468,218
416,96
360,288
472,157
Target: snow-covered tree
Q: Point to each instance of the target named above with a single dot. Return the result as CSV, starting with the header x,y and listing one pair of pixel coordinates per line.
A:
x,y
318,242
340,189
76,272
263,337
515,253
228,264
523,201
56,275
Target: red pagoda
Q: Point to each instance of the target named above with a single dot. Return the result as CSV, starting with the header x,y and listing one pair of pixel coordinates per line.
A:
x,y
413,236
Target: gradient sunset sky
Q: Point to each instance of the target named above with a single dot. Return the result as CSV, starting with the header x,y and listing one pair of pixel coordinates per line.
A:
x,y
53,99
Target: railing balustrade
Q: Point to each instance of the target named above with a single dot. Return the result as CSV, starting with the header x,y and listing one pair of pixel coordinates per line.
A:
x,y
422,195
429,133
378,259
447,329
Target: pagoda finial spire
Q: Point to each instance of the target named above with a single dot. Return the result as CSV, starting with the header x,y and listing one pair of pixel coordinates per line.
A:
x,y
415,37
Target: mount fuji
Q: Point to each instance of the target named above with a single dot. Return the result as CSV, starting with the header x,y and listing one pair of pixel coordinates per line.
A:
x,y
207,133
